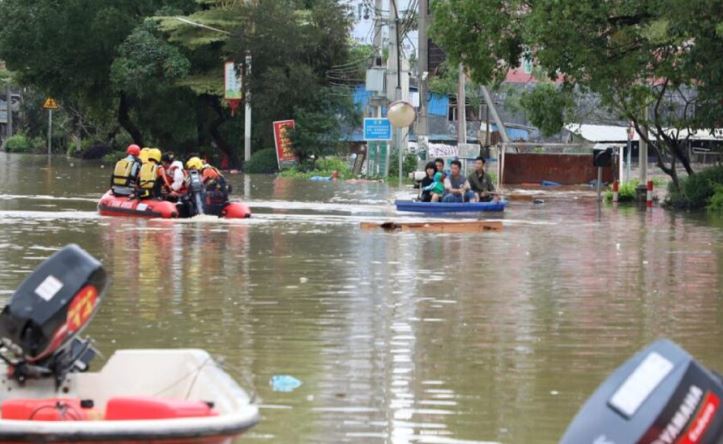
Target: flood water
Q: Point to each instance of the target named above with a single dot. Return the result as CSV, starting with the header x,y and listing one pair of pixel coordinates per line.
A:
x,y
396,337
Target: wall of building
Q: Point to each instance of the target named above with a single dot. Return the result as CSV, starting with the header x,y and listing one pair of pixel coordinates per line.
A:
x,y
565,169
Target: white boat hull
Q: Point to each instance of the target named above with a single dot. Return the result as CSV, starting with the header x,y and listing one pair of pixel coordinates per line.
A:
x,y
185,374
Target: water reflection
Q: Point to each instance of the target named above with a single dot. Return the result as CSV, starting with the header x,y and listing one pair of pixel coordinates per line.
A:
x,y
400,338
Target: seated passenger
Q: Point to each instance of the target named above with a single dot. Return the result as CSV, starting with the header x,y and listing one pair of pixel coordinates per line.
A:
x,y
480,182
174,178
125,173
429,170
456,186
436,188
439,165
150,178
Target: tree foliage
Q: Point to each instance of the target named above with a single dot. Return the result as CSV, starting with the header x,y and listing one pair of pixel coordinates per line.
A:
x,y
155,67
654,62
547,107
292,53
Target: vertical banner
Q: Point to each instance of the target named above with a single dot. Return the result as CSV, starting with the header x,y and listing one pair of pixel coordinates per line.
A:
x,y
232,82
284,146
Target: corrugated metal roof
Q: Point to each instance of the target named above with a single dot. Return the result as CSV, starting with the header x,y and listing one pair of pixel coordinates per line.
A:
x,y
600,133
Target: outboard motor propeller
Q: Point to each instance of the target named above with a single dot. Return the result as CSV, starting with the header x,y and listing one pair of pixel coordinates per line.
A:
x,y
196,190
660,396
40,324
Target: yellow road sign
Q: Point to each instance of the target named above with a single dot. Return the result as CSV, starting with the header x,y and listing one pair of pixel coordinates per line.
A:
x,y
50,103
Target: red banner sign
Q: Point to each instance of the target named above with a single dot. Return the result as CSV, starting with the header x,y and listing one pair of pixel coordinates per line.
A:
x,y
284,146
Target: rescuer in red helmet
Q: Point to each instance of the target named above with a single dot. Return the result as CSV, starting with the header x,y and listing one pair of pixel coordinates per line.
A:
x,y
125,174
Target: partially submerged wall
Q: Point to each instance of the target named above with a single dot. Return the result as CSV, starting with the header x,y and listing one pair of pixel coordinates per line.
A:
x,y
565,169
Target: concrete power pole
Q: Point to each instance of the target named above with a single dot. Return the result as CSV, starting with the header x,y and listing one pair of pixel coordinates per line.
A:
x,y
461,107
378,22
423,69
247,110
503,133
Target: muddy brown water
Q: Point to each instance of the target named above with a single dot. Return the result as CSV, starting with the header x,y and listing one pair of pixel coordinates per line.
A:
x,y
396,337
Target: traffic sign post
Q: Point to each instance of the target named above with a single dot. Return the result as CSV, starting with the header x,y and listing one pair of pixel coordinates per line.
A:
x,y
50,131
377,132
50,104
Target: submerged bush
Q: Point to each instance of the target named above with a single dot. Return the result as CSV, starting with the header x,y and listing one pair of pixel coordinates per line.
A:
x,y
409,164
715,203
324,167
697,190
262,162
626,193
18,144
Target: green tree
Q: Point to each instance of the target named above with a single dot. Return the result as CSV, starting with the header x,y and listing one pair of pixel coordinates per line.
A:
x,y
294,45
65,49
319,124
547,107
655,62
155,67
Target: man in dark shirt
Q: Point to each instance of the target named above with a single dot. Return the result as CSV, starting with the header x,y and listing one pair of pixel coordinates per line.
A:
x,y
480,182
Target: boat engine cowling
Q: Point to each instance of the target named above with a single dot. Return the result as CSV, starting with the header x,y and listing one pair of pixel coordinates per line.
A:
x,y
196,191
40,323
660,396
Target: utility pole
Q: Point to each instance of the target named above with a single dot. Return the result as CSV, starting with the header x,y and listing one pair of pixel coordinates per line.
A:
x,y
398,90
461,108
247,110
378,21
503,133
422,69
394,75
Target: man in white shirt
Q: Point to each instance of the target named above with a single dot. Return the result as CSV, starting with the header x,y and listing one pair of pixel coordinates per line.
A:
x,y
175,178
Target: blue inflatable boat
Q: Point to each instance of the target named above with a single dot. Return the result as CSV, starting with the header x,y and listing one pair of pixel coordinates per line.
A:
x,y
441,207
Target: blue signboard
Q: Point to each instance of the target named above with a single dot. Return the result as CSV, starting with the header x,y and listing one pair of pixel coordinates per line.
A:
x,y
377,130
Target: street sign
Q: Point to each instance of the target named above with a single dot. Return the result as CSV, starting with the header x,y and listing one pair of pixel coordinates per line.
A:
x,y
377,130
285,155
50,103
232,82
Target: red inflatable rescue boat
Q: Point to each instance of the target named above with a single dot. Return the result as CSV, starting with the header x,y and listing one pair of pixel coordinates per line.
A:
x,y
112,205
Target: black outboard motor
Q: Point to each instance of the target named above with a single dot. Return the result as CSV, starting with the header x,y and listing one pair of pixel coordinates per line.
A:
x,y
660,396
196,192
40,324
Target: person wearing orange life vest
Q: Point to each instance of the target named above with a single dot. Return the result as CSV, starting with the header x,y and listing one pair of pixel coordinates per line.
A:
x,y
151,175
125,173
208,172
216,190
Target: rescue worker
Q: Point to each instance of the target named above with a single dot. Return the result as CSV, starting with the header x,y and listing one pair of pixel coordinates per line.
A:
x,y
125,173
216,190
208,172
144,154
150,178
175,178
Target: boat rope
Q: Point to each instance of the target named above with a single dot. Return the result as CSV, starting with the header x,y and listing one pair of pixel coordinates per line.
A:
x,y
193,373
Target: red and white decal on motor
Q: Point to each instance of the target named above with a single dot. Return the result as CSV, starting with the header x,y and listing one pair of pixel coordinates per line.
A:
x,y
702,420
676,425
